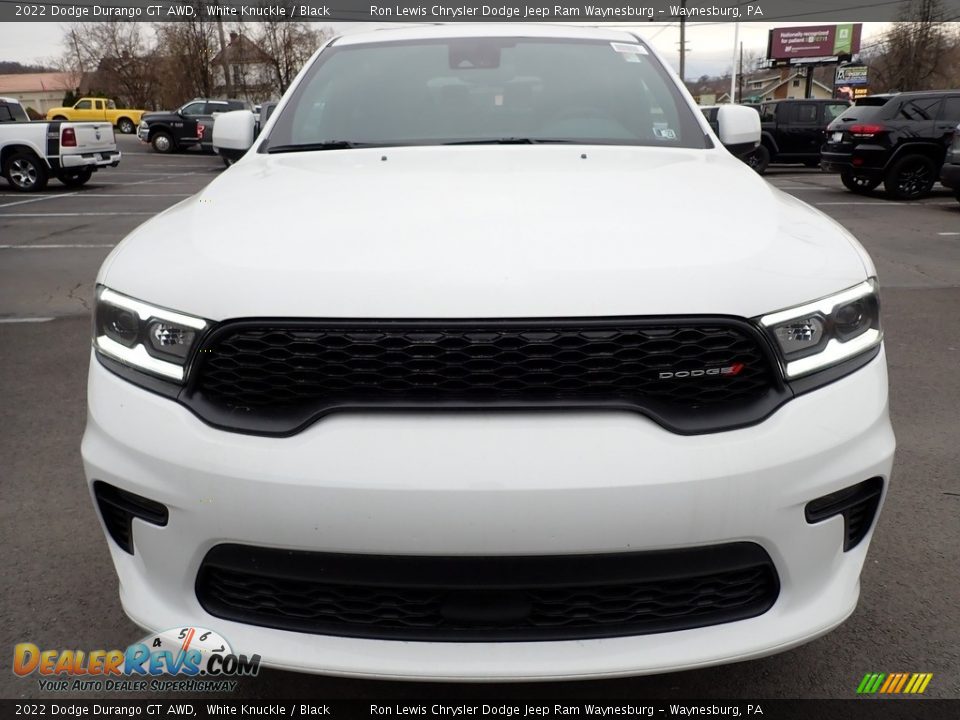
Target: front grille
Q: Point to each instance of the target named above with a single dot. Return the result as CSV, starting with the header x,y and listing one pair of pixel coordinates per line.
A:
x,y
475,599
689,375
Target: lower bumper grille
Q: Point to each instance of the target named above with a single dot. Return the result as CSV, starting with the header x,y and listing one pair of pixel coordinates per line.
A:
x,y
477,599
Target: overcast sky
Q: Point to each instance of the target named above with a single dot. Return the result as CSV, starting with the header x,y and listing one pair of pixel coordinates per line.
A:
x,y
709,45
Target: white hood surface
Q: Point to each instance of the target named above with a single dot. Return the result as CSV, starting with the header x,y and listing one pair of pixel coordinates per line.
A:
x,y
483,232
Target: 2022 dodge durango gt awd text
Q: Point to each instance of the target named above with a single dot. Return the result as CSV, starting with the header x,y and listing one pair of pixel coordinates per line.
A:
x,y
472,380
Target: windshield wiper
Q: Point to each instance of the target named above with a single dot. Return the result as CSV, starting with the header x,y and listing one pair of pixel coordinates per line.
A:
x,y
327,145
508,141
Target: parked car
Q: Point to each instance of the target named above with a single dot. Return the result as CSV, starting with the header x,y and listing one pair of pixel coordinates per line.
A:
x,y
950,172
33,152
711,113
12,111
793,131
457,375
901,143
190,125
99,109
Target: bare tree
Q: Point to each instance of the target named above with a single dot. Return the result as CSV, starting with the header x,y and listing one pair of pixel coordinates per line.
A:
x,y
289,45
188,48
915,53
114,57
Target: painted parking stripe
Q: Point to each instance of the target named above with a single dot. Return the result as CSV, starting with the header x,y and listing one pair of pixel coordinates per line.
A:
x,y
37,199
10,321
56,247
949,234
75,214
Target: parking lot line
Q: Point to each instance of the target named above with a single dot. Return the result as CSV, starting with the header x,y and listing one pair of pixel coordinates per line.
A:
x,y
37,199
949,234
25,320
75,214
55,247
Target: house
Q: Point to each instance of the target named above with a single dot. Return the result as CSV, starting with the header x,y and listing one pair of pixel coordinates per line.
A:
x,y
789,83
251,70
39,91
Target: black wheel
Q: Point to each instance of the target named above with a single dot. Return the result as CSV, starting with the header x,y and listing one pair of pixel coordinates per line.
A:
x,y
163,143
75,178
227,162
858,183
126,126
759,159
25,172
59,117
911,177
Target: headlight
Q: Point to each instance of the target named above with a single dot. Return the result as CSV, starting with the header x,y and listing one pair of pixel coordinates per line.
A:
x,y
143,336
826,332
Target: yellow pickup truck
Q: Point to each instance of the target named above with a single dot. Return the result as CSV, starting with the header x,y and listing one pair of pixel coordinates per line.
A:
x,y
99,109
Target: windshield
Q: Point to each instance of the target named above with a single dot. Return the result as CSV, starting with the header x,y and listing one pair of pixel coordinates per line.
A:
x,y
461,90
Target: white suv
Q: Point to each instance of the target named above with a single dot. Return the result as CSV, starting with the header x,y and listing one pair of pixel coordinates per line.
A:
x,y
464,372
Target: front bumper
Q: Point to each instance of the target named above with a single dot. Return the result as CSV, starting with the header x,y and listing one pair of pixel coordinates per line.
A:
x,y
94,160
494,483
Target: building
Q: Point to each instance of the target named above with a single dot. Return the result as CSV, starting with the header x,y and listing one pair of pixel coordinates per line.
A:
x,y
251,70
38,91
789,83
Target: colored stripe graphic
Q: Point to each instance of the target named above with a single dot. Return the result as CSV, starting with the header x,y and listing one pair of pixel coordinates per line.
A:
x,y
894,683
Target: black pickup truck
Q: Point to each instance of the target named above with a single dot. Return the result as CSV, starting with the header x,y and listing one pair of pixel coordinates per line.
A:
x,y
190,125
793,131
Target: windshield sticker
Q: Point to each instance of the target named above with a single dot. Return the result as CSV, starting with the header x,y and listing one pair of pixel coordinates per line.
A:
x,y
629,49
663,132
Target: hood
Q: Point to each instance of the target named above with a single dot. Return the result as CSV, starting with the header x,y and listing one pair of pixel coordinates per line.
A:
x,y
486,231
158,115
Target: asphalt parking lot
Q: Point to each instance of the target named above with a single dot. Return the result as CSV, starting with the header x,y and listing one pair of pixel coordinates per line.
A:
x,y
60,589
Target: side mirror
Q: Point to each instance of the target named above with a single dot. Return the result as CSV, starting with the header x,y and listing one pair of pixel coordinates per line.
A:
x,y
738,128
266,110
234,131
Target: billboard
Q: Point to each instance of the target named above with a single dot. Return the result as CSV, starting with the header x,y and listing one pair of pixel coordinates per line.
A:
x,y
852,75
811,41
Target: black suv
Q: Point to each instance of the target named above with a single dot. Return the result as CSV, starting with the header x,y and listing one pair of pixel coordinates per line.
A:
x,y
950,172
190,125
793,131
901,143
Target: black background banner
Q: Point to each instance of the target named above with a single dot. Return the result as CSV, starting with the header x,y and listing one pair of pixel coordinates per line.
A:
x,y
784,12
873,708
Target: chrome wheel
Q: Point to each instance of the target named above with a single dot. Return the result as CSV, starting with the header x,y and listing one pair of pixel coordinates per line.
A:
x,y
126,126
23,173
162,143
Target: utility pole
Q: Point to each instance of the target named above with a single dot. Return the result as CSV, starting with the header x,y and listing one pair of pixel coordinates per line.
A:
x,y
683,40
734,74
224,63
740,76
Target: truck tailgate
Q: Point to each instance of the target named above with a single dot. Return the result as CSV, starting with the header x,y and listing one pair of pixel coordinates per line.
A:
x,y
92,137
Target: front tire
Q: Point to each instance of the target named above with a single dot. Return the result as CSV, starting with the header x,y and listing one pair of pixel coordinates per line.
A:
x,y
163,143
76,178
911,177
26,172
759,159
858,183
126,126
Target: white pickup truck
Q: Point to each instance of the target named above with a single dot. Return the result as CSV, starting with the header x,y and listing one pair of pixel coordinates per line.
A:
x,y
33,152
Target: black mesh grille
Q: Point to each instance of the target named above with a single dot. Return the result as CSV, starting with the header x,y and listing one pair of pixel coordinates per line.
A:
x,y
477,599
290,372
857,504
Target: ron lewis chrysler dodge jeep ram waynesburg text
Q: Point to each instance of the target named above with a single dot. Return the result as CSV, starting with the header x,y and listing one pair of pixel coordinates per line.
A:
x,y
468,383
